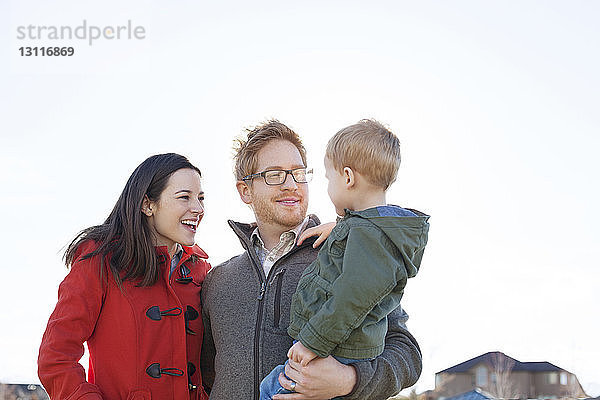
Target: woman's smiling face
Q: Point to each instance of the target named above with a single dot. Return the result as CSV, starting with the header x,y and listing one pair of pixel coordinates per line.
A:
x,y
177,213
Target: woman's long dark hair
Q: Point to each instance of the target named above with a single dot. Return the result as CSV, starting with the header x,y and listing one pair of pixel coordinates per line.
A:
x,y
125,236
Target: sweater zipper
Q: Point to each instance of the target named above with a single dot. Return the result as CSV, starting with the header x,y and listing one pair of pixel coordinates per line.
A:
x,y
261,308
257,337
261,294
260,298
277,304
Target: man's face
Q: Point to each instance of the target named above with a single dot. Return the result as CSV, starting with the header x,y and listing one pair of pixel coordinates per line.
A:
x,y
281,205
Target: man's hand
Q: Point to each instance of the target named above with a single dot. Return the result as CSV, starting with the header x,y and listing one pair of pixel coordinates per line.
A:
x,y
321,379
322,231
301,354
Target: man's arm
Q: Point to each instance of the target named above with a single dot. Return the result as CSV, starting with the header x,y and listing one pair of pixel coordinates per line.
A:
x,y
398,367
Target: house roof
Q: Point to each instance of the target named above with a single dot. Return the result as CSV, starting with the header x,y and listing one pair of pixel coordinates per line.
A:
x,y
475,394
494,358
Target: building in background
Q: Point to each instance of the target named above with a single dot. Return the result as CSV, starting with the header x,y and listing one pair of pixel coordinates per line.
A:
x,y
9,391
475,394
504,377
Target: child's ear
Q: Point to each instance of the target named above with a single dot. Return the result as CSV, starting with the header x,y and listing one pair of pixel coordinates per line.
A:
x,y
349,177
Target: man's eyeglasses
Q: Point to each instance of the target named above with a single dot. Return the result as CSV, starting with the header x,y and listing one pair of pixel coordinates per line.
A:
x,y
278,176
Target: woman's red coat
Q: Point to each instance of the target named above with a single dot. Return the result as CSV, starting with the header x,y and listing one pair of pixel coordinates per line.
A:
x,y
122,340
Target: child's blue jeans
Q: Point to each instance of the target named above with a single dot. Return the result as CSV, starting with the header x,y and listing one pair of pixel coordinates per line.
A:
x,y
270,385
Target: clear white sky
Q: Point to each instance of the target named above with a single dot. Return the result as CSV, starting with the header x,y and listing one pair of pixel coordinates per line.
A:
x,y
496,105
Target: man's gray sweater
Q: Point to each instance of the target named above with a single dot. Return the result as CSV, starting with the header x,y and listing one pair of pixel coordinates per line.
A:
x,y
246,316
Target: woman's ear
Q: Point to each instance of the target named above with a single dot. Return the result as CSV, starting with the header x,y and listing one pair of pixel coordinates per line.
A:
x,y
147,206
349,177
245,192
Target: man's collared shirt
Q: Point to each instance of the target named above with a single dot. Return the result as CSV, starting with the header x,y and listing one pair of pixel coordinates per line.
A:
x,y
287,241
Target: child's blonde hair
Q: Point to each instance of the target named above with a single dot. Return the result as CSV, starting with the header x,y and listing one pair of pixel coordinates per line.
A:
x,y
368,148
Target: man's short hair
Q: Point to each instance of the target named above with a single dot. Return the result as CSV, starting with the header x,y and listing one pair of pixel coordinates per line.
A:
x,y
368,148
246,149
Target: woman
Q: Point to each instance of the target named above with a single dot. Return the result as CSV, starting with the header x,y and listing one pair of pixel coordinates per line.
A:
x,y
133,294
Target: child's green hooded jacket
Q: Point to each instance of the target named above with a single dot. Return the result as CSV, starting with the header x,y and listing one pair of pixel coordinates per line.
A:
x,y
343,298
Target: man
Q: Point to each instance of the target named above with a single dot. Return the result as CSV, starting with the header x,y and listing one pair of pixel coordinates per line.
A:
x,y
246,300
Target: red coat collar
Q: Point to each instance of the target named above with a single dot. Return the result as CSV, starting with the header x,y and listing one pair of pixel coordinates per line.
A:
x,y
187,251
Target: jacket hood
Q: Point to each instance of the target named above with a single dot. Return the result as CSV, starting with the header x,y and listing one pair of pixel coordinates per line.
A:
x,y
406,229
